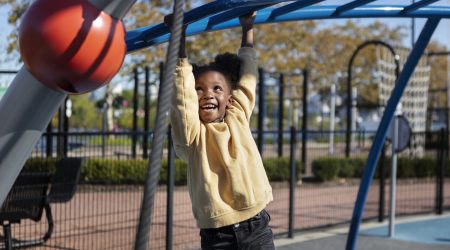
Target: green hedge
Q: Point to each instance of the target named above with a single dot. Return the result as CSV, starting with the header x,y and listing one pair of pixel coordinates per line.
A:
x,y
133,171
330,168
40,165
277,169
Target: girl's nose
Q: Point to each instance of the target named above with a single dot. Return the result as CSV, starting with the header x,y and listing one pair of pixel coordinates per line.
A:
x,y
208,95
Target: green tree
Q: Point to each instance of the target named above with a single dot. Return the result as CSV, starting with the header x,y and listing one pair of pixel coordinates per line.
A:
x,y
84,113
438,76
322,48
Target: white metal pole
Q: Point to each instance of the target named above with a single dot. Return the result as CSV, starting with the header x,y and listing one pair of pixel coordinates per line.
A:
x,y
354,114
332,118
26,109
393,189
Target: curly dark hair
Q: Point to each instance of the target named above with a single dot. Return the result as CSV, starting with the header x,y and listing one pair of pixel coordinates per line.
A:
x,y
227,64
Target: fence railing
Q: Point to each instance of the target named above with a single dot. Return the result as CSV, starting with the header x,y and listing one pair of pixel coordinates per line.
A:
x,y
105,215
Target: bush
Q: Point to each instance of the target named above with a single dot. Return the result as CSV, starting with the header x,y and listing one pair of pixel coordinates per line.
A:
x,y
357,166
134,171
180,172
425,167
277,169
131,171
413,167
330,167
38,165
325,169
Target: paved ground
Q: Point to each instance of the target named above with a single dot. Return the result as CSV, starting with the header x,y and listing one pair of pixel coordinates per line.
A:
x,y
105,216
419,233
364,243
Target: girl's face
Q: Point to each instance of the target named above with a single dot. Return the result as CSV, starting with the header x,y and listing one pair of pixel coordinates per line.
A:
x,y
214,96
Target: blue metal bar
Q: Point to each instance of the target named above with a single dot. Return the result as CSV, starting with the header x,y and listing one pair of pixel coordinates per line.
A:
x,y
135,38
138,39
417,5
346,7
380,136
219,6
293,6
233,13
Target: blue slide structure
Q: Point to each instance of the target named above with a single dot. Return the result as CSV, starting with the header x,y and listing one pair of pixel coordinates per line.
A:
x,y
220,15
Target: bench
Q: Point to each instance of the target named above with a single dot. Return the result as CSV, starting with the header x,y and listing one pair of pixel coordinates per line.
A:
x,y
32,194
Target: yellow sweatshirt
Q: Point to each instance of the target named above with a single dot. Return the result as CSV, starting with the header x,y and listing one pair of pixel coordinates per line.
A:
x,y
226,177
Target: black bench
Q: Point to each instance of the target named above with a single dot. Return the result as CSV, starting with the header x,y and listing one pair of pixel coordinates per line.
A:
x,y
32,194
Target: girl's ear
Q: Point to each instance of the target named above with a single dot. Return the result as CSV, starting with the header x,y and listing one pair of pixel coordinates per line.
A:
x,y
229,101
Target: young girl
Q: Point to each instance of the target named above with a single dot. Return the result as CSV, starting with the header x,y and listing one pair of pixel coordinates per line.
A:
x,y
210,114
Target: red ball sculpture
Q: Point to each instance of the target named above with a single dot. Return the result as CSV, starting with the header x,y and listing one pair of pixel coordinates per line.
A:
x,y
71,46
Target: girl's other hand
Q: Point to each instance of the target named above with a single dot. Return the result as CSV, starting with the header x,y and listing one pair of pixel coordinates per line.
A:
x,y
247,20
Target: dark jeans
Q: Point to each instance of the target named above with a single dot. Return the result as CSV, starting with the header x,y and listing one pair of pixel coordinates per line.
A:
x,y
252,234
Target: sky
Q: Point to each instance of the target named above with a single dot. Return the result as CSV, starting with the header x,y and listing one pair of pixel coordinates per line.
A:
x,y
442,33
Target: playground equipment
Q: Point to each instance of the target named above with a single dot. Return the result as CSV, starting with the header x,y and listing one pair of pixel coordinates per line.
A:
x,y
29,104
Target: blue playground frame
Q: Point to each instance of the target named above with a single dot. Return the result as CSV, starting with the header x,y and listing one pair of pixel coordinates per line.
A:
x,y
224,14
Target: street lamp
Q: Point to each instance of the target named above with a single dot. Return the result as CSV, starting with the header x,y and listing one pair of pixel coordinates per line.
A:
x,y
349,84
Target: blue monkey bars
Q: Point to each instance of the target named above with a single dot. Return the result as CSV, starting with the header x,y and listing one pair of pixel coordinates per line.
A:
x,y
219,15
223,14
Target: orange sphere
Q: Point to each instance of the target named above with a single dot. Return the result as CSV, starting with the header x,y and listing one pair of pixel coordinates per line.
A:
x,y
71,46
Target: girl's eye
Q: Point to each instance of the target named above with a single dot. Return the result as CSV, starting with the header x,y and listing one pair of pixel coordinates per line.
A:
x,y
217,88
198,89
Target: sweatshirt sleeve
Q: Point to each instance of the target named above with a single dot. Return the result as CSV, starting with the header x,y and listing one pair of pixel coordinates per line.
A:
x,y
184,108
244,94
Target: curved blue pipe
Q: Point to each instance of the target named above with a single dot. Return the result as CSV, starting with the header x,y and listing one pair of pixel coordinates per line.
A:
x,y
380,136
156,34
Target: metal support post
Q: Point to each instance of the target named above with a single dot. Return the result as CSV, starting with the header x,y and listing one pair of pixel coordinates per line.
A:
x,y
170,190
261,110
292,182
280,114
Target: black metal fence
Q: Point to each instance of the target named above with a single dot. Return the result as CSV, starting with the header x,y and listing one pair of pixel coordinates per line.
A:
x,y
104,215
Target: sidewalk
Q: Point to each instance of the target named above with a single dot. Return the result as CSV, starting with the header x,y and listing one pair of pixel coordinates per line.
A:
x,y
432,234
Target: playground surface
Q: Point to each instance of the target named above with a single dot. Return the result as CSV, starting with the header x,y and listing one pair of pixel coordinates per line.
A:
x,y
414,233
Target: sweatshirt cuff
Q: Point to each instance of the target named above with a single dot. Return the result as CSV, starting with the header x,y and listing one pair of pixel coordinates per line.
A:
x,y
183,62
247,51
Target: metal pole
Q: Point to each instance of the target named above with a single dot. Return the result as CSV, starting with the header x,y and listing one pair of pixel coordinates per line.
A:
x,y
332,111
382,176
440,173
261,110
349,84
60,138
170,190
393,188
305,120
354,115
66,126
104,127
135,108
49,140
26,108
146,113
280,114
292,182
